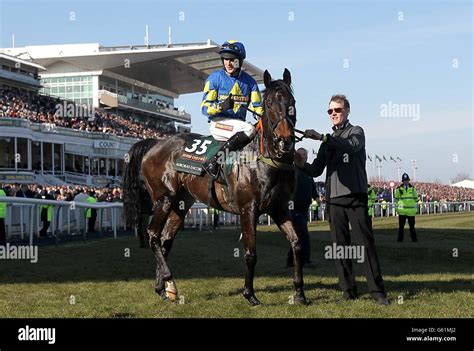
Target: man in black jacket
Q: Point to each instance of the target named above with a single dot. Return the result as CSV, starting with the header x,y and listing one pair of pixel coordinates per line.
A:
x,y
304,192
343,154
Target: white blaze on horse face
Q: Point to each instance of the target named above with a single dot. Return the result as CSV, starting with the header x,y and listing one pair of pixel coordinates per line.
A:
x,y
338,118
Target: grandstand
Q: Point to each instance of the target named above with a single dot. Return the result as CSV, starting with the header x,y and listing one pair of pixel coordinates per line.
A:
x,y
69,113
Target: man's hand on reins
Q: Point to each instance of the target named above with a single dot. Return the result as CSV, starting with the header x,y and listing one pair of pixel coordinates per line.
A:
x,y
312,134
227,104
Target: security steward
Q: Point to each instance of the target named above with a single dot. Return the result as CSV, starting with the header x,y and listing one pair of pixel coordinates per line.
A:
x,y
304,192
91,213
371,197
406,199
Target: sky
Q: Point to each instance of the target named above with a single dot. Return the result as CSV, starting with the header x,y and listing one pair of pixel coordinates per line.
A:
x,y
405,66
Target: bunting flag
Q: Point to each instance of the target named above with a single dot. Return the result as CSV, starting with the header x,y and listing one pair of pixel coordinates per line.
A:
x,y
378,158
370,158
392,159
384,158
398,158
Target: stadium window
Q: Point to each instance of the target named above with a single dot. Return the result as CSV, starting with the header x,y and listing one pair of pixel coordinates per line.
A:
x,y
61,79
7,152
22,149
58,158
77,88
36,155
61,89
47,157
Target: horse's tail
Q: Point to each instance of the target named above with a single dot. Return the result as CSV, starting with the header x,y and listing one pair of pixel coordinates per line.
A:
x,y
132,184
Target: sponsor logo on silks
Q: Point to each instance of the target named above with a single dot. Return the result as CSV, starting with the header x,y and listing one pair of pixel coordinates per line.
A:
x,y
224,127
345,252
236,98
13,252
37,334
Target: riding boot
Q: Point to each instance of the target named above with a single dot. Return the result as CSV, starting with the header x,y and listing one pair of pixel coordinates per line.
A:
x,y
235,142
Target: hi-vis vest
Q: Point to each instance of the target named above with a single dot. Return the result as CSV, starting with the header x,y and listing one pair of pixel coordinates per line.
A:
x,y
314,205
91,200
406,200
3,205
371,196
48,208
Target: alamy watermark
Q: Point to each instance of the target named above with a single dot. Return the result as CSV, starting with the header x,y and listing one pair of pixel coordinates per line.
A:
x,y
37,334
395,110
349,252
13,252
72,110
240,157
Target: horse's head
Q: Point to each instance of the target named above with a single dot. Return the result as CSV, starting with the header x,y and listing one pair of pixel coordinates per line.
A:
x,y
280,117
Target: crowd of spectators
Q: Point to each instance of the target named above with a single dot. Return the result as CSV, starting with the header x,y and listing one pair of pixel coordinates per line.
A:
x,y
428,192
44,109
62,192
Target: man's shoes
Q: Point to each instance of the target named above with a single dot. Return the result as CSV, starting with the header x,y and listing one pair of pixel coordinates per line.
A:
x,y
348,296
382,301
212,168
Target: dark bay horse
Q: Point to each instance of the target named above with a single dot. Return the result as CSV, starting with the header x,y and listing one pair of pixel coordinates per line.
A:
x,y
262,186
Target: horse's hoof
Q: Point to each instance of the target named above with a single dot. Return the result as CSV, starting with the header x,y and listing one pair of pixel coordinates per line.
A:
x,y
171,291
299,300
254,301
162,293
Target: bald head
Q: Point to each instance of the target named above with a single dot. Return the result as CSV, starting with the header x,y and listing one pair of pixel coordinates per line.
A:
x,y
303,153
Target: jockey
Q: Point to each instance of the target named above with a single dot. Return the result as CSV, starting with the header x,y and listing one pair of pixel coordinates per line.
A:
x,y
226,90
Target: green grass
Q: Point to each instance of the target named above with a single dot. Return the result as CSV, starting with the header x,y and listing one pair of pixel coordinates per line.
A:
x,y
107,284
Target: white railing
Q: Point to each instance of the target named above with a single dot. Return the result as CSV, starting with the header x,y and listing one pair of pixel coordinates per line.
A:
x,y
23,215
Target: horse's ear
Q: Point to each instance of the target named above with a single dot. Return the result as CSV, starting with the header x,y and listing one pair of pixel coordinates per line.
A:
x,y
267,78
287,76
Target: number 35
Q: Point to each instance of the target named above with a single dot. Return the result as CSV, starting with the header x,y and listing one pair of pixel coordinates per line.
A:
x,y
202,149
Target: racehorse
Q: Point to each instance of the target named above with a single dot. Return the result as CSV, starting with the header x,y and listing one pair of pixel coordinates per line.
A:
x,y
264,185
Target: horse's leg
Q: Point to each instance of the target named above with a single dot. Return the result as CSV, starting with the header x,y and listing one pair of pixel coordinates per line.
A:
x,y
174,221
283,221
249,226
163,273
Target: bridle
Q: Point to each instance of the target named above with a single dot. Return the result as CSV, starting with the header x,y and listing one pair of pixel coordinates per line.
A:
x,y
285,113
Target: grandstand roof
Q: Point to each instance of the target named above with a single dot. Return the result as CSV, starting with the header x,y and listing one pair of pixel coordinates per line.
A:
x,y
22,62
178,68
